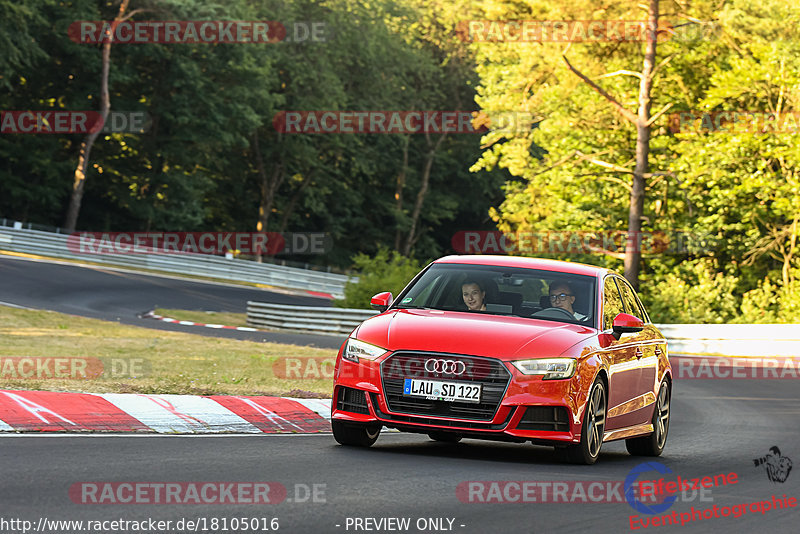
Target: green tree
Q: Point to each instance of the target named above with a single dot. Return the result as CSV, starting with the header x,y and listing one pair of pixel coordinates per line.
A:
x,y
386,271
740,190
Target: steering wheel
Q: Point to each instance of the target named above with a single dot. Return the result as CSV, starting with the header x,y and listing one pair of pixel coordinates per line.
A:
x,y
546,313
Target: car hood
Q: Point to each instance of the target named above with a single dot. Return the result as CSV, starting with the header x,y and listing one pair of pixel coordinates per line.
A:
x,y
459,332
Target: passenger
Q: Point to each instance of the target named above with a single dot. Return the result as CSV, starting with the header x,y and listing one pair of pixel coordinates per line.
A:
x,y
473,294
561,296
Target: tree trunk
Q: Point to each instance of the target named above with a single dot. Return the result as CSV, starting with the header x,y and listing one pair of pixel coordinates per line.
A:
x,y
288,209
633,248
269,187
642,121
412,237
786,272
79,178
398,195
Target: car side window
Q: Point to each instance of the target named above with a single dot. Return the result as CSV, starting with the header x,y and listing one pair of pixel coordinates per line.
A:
x,y
645,315
612,302
629,299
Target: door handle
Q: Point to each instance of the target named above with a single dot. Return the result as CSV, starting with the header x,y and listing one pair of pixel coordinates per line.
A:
x,y
658,351
638,352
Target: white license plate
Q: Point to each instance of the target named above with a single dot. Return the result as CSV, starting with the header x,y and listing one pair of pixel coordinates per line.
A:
x,y
445,391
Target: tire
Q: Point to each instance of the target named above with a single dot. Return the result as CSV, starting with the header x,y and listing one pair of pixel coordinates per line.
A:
x,y
444,437
594,423
355,435
653,445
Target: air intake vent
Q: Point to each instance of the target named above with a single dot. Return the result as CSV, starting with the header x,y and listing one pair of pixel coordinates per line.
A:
x,y
352,400
552,418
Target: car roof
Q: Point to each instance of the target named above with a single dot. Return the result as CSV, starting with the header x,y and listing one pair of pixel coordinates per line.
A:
x,y
525,262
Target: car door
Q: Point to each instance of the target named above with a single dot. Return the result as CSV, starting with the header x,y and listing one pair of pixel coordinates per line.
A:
x,y
623,365
645,352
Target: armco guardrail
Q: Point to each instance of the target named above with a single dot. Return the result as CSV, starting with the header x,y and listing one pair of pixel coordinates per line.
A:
x,y
306,318
703,339
733,339
55,246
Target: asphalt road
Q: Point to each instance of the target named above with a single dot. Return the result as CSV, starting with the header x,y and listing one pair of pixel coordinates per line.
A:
x,y
113,295
718,427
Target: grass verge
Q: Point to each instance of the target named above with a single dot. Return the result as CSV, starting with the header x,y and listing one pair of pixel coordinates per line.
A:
x,y
173,362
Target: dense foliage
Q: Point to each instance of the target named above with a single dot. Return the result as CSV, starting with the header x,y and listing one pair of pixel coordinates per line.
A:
x,y
386,271
740,189
213,160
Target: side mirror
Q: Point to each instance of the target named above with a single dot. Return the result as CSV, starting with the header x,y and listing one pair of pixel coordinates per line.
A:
x,y
626,324
381,301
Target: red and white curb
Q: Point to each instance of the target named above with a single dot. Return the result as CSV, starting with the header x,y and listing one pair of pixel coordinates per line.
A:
x,y
151,315
42,411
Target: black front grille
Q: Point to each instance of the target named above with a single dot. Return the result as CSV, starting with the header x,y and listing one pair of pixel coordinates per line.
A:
x,y
352,400
552,418
491,374
438,422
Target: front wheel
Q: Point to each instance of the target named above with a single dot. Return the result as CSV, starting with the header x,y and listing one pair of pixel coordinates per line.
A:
x,y
354,434
653,445
594,423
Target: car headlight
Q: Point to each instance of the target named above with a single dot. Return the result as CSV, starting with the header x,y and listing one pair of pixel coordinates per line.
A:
x,y
356,349
550,368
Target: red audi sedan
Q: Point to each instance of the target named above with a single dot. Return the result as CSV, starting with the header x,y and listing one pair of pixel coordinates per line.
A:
x,y
510,349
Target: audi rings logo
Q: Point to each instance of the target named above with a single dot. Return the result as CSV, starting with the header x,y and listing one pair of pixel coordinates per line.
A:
x,y
447,367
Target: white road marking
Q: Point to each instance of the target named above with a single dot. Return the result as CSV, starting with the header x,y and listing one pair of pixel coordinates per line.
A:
x,y
11,305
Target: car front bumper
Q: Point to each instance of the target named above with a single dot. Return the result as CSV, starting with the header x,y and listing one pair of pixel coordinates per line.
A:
x,y
528,409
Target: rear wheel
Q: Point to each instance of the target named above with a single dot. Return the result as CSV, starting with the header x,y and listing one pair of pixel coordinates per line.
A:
x,y
653,445
594,423
444,437
354,434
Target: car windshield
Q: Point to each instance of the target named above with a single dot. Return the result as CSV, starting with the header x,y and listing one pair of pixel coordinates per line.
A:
x,y
511,291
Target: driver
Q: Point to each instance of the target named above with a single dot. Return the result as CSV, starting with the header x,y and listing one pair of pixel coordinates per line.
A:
x,y
473,294
562,296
